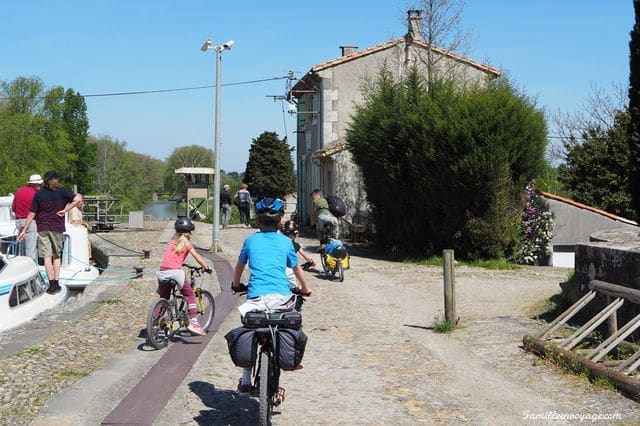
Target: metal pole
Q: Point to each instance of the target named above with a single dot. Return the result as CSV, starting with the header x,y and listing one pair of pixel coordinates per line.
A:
x,y
216,159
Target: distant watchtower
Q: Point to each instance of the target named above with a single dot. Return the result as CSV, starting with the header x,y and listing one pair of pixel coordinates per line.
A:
x,y
197,184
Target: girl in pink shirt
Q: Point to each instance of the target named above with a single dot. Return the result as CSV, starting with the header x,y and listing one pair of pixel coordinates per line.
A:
x,y
171,268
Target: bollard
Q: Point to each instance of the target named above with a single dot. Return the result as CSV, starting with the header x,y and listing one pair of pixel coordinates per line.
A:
x,y
449,286
138,271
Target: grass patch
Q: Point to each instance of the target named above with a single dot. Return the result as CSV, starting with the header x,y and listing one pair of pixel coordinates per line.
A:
x,y
604,383
109,302
33,351
73,374
443,325
431,261
538,362
500,264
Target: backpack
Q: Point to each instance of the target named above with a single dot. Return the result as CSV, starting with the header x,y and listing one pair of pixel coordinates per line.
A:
x,y
337,207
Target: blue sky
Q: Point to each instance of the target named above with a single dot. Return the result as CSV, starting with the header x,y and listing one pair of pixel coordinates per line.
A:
x,y
555,50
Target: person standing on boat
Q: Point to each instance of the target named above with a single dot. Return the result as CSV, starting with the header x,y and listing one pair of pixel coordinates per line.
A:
x,y
21,205
48,208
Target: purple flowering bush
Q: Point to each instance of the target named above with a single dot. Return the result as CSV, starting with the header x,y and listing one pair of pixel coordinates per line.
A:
x,y
537,228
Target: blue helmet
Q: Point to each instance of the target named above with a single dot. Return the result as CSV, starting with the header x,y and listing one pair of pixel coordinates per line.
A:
x,y
269,210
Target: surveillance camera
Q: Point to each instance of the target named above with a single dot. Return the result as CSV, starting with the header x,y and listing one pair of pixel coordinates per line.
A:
x,y
228,44
206,45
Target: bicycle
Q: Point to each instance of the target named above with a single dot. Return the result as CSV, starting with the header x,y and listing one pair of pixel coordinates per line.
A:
x,y
268,328
333,260
169,317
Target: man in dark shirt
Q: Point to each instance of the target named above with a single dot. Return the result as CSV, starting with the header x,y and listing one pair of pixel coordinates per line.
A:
x,y
21,205
225,204
48,208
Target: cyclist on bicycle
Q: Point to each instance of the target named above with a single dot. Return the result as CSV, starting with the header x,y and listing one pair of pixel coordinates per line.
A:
x,y
268,254
290,229
171,268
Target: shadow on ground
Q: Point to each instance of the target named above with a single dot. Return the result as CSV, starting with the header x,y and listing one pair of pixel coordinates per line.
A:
x,y
226,406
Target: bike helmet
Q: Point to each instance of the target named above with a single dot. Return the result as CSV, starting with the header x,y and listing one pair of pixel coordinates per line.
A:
x,y
184,224
269,210
290,228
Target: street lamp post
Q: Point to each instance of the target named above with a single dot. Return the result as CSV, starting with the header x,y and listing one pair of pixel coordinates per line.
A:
x,y
215,246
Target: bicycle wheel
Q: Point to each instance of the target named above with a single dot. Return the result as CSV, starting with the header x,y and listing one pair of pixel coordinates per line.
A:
x,y
159,324
323,261
206,309
266,400
340,270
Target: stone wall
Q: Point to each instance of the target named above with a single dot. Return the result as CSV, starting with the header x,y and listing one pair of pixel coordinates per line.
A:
x,y
612,256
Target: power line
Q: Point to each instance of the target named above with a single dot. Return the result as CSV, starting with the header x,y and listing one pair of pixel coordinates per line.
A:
x,y
182,89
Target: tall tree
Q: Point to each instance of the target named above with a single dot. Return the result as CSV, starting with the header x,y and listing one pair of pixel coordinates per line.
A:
x,y
76,124
450,163
270,167
596,170
634,111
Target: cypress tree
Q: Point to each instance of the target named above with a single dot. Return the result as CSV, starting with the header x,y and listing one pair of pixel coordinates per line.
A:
x,y
634,111
270,167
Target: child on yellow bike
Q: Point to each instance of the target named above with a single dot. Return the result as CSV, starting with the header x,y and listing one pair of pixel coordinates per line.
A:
x,y
171,268
268,254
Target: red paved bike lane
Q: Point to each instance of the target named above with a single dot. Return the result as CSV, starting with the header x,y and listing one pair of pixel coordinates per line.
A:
x,y
147,399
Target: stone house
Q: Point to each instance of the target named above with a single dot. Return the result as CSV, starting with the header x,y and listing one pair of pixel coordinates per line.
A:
x,y
326,97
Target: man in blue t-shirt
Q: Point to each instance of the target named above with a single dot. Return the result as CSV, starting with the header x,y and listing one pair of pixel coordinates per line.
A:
x,y
268,254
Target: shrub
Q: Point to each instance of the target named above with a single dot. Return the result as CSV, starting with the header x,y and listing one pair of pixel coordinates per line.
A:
x,y
537,228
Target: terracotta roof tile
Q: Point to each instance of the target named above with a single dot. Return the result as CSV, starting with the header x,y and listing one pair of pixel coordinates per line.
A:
x,y
386,45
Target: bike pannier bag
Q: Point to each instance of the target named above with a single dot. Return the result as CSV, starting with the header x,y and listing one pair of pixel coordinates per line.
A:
x,y
259,319
337,207
242,346
291,345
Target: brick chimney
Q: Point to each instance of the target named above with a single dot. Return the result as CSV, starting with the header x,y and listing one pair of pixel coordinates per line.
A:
x,y
414,24
348,50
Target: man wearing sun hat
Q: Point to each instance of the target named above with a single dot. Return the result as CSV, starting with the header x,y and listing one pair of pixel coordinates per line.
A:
x,y
20,206
48,208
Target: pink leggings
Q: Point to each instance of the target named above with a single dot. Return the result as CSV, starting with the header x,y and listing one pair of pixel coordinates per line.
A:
x,y
187,292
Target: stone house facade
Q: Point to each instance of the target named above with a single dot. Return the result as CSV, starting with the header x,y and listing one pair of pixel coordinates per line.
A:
x,y
326,97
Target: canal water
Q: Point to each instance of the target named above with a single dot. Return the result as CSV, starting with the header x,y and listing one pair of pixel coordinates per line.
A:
x,y
162,210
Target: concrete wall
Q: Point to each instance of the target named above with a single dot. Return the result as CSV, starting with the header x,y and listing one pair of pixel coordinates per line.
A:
x,y
614,258
573,225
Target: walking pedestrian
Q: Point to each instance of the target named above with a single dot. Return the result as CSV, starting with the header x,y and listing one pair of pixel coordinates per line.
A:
x,y
48,209
243,198
225,204
20,206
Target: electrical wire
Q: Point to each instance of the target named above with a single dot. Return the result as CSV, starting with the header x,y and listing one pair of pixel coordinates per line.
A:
x,y
182,89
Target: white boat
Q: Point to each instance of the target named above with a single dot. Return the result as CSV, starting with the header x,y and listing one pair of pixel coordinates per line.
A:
x,y
76,272
23,291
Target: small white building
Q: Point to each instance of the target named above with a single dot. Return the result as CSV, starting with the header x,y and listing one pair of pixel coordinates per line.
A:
x,y
574,223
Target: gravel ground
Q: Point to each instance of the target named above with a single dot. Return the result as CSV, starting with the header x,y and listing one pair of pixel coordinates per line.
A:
x,y
371,358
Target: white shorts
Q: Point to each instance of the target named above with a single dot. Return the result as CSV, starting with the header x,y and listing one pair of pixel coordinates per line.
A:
x,y
268,302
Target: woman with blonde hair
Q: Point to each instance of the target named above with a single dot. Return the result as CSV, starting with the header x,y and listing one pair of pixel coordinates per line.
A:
x,y
171,268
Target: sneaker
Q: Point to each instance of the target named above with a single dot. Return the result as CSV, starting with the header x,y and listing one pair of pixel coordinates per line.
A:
x,y
196,329
244,390
57,288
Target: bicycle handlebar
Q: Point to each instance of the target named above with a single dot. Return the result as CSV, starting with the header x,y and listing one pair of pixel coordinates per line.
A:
x,y
197,268
243,288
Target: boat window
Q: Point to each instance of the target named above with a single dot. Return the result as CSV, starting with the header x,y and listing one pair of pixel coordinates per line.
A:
x,y
36,286
66,250
23,293
13,299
